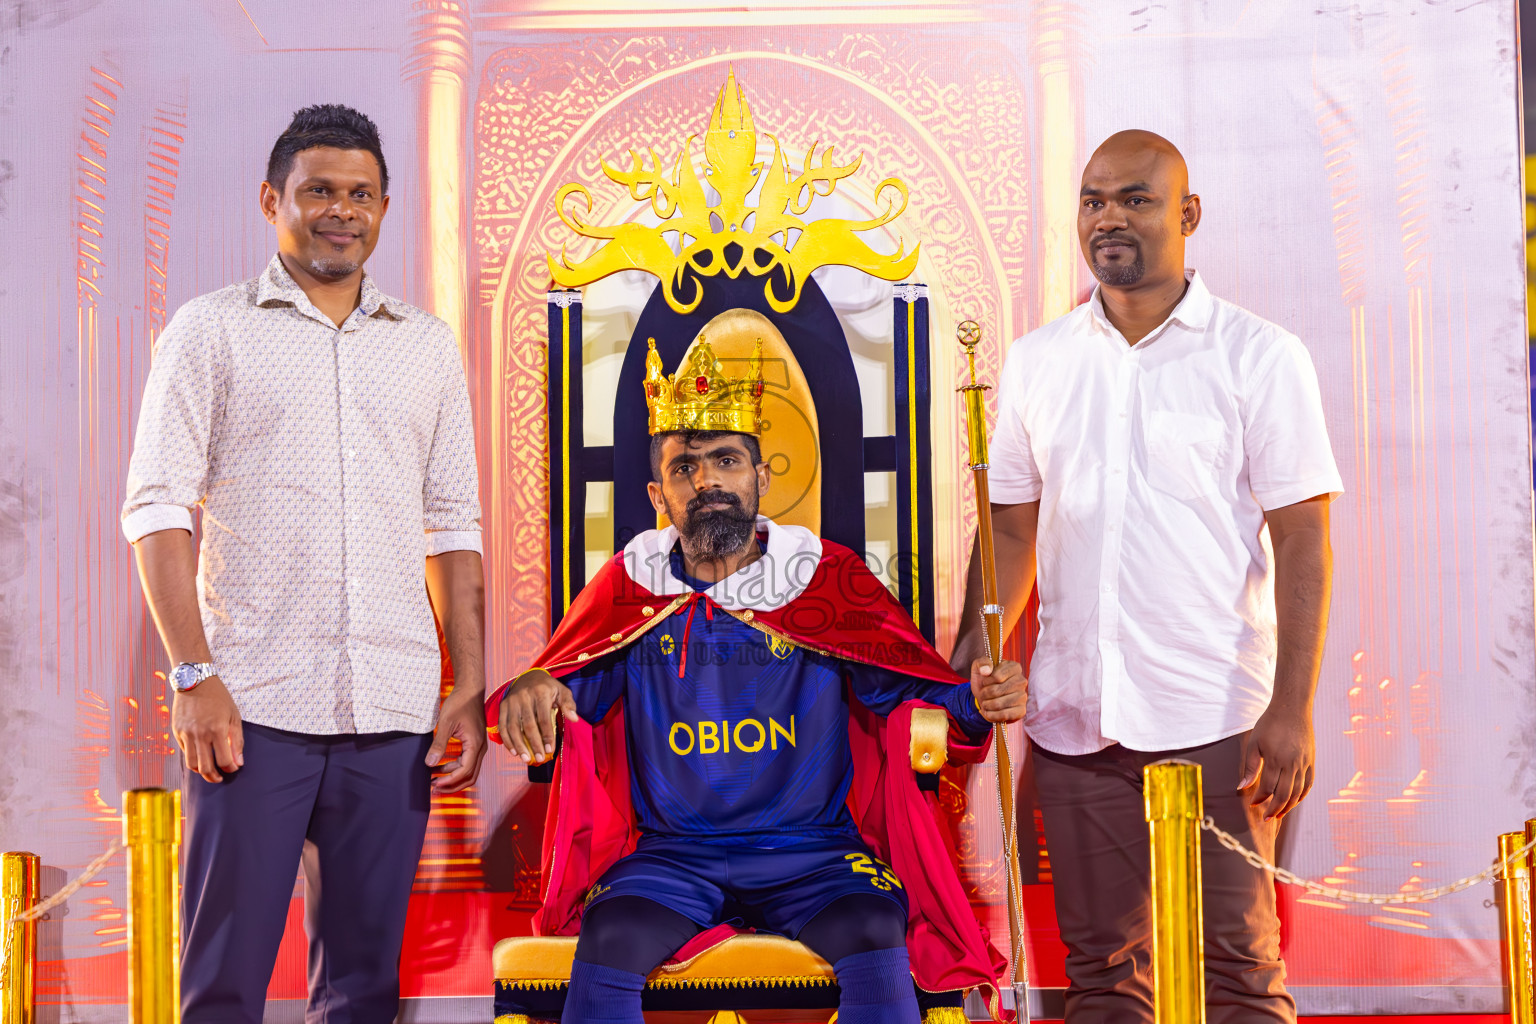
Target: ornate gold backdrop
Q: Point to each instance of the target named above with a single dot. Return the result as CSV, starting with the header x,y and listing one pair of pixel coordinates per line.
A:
x,y
1360,169
955,131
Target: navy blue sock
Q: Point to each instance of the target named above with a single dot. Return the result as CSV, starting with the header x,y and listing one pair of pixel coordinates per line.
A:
x,y
877,988
605,995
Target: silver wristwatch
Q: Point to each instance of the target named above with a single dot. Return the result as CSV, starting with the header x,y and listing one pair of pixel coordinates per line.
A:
x,y
189,674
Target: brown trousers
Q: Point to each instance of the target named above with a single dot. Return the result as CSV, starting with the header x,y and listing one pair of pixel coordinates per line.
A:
x,y
1095,829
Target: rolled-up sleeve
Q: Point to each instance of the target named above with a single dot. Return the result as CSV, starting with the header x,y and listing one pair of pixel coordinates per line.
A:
x,y
451,490
168,472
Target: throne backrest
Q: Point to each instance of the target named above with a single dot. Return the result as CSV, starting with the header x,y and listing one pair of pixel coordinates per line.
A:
x,y
735,238
813,441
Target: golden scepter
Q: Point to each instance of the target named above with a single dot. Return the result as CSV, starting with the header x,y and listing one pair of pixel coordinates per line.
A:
x,y
969,335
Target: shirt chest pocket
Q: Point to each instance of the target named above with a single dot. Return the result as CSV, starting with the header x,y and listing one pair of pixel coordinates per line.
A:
x,y
1186,453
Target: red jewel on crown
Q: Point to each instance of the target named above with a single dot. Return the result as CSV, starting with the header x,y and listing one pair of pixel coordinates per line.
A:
x,y
701,384
757,389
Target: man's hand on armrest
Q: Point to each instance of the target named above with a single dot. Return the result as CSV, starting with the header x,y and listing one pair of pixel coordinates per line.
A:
x,y
529,712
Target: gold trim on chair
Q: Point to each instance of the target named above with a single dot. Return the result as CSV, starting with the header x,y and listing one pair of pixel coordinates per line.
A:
x,y
747,961
742,961
930,740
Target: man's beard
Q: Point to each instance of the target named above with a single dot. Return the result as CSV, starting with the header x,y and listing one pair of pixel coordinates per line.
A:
x,y
715,533
333,267
1119,275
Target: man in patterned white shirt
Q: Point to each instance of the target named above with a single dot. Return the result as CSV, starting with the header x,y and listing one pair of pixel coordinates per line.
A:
x,y
1163,454
324,430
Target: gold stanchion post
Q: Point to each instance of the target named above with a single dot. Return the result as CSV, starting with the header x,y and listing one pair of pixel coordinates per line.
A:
x,y
1174,811
18,892
152,834
1530,932
1515,930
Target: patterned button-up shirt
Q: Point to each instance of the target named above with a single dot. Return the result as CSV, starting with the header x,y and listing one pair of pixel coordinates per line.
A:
x,y
329,463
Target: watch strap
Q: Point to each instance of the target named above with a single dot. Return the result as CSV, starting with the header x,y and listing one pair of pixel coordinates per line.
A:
x,y
202,671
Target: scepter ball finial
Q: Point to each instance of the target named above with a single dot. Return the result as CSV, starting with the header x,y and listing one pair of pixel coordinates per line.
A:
x,y
968,333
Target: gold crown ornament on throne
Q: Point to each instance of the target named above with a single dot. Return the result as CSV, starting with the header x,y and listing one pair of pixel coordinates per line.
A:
x,y
753,223
700,396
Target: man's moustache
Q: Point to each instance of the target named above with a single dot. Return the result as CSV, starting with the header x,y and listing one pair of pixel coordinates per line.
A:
x,y
713,498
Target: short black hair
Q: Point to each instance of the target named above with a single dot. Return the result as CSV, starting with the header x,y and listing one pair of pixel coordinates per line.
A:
x,y
324,124
693,437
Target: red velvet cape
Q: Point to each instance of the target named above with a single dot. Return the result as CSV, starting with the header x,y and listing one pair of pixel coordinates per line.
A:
x,y
846,612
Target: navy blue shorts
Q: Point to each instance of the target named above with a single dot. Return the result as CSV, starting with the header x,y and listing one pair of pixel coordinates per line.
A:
x,y
779,890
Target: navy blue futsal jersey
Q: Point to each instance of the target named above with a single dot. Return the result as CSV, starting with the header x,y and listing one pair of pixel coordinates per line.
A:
x,y
736,737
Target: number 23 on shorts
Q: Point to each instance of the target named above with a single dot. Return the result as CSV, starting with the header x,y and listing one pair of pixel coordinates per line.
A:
x,y
881,876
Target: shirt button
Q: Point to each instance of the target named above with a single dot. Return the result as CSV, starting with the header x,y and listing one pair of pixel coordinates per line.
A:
x,y
647,611
356,517
351,452
746,616
1108,589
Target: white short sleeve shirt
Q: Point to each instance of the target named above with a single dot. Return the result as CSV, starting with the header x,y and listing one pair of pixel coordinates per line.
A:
x,y
1154,464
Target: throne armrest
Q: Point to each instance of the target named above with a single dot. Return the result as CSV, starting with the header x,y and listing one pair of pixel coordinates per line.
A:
x,y
929,746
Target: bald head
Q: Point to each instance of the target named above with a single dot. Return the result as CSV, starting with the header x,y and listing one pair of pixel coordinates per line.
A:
x,y
1135,210
1148,151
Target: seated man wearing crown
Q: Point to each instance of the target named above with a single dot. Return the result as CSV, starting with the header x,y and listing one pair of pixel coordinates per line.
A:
x,y
725,725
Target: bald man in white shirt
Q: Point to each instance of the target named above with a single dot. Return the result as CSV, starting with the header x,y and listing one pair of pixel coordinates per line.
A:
x,y
1161,456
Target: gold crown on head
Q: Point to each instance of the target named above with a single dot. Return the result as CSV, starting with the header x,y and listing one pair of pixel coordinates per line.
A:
x,y
701,397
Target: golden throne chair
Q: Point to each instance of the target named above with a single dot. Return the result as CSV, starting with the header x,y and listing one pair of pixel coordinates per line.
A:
x,y
765,978
737,287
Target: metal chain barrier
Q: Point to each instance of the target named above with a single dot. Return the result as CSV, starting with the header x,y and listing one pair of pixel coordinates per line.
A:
x,y
1493,872
37,910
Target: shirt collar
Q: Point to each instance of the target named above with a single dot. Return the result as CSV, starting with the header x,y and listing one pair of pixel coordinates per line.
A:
x,y
276,285
1192,313
770,583
372,300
